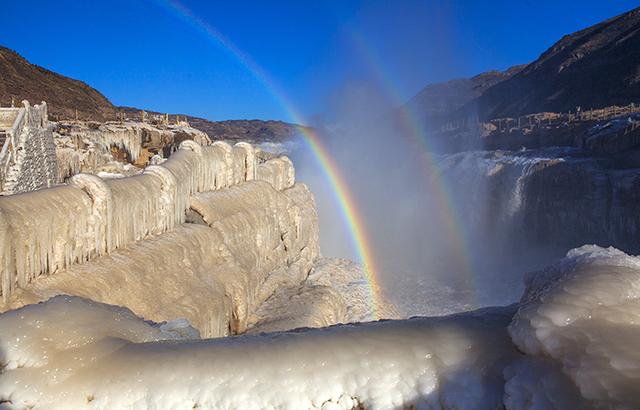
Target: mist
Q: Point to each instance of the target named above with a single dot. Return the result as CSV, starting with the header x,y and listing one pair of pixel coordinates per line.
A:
x,y
444,227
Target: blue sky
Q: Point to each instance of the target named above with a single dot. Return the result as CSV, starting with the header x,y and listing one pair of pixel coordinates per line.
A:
x,y
140,53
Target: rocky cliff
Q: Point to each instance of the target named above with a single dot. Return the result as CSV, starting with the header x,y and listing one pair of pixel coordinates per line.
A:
x,y
436,103
593,68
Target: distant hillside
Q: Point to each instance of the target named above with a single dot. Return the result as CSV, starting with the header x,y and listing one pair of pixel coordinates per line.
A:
x,y
592,68
22,80
595,67
247,130
436,102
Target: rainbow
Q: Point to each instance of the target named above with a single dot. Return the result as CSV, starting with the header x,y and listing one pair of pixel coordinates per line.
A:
x,y
342,195
418,135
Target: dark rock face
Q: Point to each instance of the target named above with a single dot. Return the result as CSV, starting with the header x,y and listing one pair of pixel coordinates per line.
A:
x,y
582,201
437,102
551,200
592,68
595,67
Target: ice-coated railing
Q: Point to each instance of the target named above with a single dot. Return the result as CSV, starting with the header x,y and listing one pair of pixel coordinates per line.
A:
x,y
26,116
49,229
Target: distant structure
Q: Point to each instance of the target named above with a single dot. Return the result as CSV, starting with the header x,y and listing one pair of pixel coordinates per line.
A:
x,y
28,156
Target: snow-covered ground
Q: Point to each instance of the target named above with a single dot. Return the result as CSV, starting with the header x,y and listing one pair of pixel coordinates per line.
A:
x,y
571,342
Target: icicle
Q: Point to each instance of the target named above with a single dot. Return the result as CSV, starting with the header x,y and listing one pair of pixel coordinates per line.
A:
x,y
244,154
102,210
7,265
47,230
279,172
289,172
239,169
224,176
128,139
250,160
198,171
137,201
170,213
182,164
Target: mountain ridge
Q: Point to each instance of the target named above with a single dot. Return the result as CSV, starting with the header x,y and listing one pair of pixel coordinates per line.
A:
x,y
594,67
68,99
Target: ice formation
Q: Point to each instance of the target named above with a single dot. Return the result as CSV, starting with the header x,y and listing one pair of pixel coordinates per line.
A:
x,y
246,269
113,146
217,240
583,314
48,230
569,343
257,239
118,362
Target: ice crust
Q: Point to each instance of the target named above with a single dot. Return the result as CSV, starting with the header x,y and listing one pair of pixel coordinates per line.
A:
x,y
571,343
117,361
584,314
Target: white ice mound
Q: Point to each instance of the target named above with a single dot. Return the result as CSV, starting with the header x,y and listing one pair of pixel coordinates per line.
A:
x,y
34,336
584,314
70,353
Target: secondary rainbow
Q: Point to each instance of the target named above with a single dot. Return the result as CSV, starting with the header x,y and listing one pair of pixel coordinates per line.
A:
x,y
343,197
416,132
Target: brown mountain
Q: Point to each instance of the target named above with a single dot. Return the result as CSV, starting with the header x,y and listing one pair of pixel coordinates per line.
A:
x,y
21,80
592,68
436,102
245,130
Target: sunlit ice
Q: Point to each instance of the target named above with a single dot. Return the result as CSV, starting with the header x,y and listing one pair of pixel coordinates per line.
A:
x,y
336,205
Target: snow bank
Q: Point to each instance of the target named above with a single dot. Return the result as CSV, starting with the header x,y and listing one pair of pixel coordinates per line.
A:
x,y
113,360
584,314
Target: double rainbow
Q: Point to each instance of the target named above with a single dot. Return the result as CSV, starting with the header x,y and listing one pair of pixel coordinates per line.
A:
x,y
413,127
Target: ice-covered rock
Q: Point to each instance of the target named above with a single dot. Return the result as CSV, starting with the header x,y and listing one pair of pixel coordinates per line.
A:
x,y
108,147
114,360
583,313
351,283
576,328
305,305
